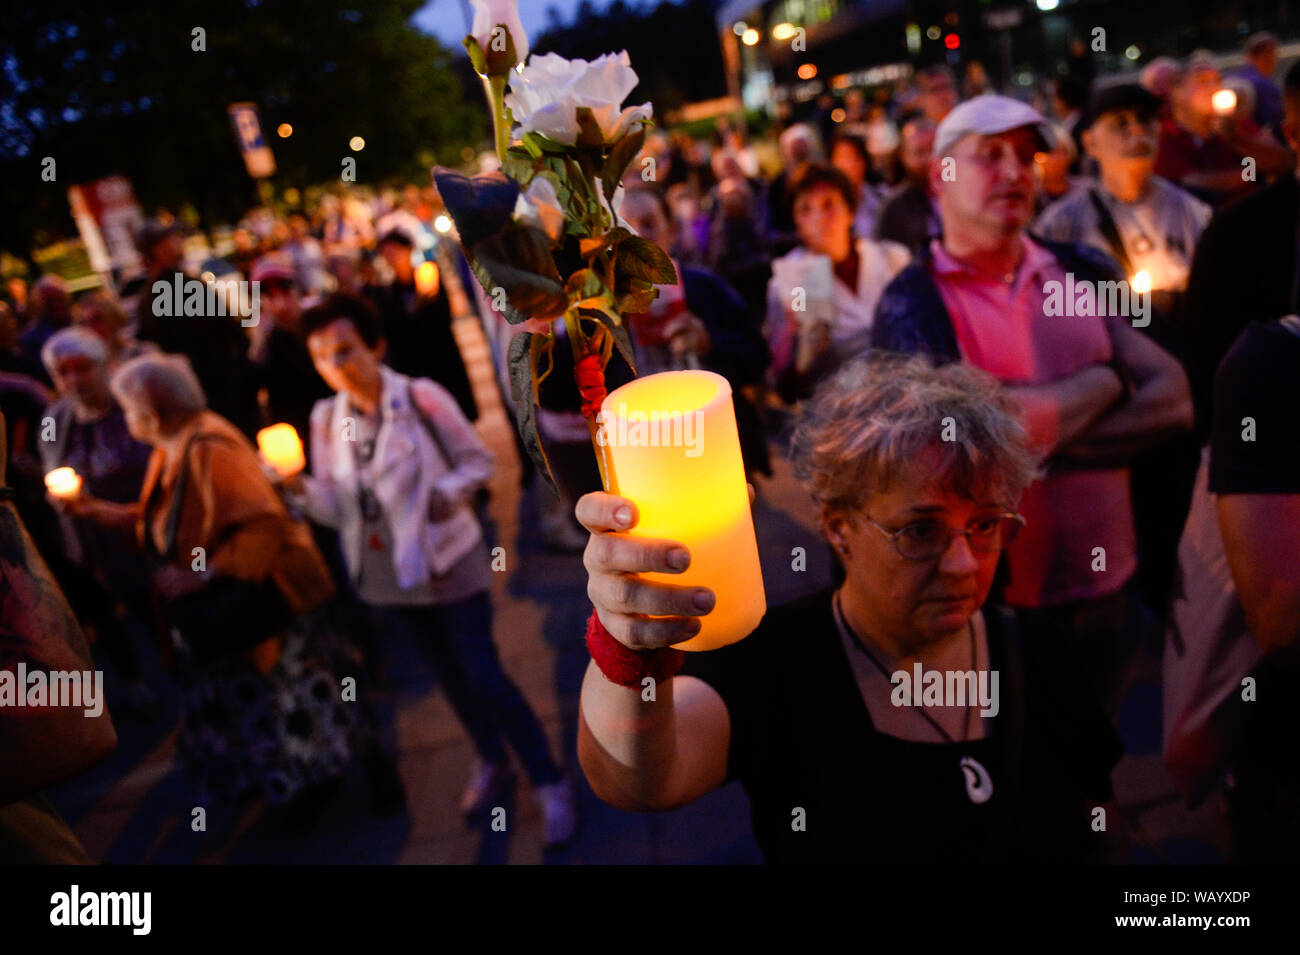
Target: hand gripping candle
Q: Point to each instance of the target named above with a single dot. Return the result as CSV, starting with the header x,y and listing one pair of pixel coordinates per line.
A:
x,y
671,447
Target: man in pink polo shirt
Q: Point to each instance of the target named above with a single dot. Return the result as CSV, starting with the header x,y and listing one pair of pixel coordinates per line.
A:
x,y
1094,391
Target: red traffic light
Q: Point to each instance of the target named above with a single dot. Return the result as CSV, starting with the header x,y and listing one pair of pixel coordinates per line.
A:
x,y
952,41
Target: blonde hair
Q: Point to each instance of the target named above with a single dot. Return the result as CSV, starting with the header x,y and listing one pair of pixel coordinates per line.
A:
x,y
879,418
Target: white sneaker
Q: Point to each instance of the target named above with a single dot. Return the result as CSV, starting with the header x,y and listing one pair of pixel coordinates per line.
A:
x,y
485,781
559,813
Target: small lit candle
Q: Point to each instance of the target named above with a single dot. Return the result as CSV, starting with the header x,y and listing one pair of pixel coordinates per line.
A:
x,y
1141,283
671,447
63,483
426,278
1224,102
282,449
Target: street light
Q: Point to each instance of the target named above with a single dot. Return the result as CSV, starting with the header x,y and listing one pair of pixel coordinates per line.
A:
x,y
807,71
750,37
783,31
285,130
357,144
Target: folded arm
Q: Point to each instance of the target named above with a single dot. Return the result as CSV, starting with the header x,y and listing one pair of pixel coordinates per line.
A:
x,y
1059,412
1160,406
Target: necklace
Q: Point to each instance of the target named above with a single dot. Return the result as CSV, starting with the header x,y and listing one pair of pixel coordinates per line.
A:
x,y
979,785
842,622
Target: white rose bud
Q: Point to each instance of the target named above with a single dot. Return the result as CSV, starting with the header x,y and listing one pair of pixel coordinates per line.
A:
x,y
488,15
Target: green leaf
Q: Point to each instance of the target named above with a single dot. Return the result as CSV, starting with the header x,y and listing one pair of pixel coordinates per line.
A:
x,y
535,140
519,167
613,321
519,260
641,259
586,284
637,298
521,359
617,234
476,56
624,152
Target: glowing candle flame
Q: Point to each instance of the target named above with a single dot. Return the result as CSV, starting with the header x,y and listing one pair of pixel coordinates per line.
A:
x,y
1224,102
426,278
63,483
282,449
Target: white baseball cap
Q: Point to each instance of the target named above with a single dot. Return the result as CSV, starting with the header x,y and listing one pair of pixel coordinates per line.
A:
x,y
989,115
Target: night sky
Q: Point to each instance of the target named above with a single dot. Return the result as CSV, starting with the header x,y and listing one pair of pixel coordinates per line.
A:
x,y
446,18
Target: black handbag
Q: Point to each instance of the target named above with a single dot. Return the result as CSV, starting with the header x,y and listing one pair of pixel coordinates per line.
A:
x,y
227,615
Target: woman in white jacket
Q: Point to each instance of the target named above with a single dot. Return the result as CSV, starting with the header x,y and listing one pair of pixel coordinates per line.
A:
x,y
395,467
823,294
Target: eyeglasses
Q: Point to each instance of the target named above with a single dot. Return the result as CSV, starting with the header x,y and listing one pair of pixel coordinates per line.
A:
x,y
926,540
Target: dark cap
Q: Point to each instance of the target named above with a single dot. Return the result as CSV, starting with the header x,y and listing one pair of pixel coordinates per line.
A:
x,y
153,231
1123,96
396,234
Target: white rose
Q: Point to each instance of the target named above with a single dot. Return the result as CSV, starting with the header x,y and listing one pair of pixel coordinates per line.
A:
x,y
546,96
540,206
489,14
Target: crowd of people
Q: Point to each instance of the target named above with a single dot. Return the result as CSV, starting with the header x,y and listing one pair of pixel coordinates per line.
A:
x,y
1003,486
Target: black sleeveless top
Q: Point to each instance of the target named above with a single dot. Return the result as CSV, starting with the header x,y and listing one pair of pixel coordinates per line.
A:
x,y
825,785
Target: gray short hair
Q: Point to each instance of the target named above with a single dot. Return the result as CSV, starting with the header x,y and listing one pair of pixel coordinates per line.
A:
x,y
877,418
73,343
166,384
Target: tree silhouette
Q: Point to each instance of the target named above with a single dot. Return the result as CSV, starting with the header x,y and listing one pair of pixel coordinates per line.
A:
x,y
118,87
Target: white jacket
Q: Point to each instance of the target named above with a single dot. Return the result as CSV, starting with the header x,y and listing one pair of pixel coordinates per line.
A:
x,y
408,466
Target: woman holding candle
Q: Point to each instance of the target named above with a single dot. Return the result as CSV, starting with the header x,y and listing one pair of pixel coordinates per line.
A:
x,y
807,347
808,711
395,467
91,446
243,588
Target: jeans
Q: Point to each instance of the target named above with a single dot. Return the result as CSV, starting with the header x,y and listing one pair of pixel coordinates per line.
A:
x,y
457,638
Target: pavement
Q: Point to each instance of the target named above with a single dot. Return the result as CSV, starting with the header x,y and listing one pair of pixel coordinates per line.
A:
x,y
132,808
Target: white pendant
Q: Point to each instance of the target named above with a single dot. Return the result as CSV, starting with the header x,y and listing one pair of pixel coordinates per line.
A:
x,y
979,787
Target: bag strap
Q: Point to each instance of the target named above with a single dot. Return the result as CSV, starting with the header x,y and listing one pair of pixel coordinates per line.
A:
x,y
429,426
172,526
1110,232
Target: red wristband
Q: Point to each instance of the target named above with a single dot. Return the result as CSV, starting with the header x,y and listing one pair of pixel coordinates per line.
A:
x,y
625,666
